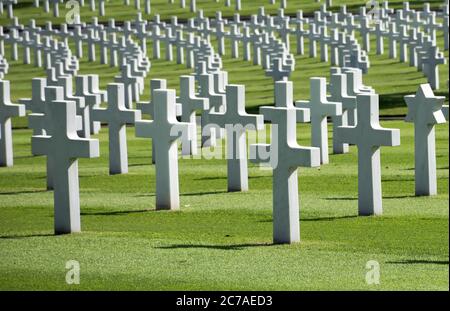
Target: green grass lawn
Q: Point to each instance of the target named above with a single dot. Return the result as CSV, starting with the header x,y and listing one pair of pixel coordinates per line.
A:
x,y
223,240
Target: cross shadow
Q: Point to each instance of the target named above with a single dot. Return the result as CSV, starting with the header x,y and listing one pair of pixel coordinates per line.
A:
x,y
37,235
225,177
400,197
22,192
418,262
317,219
216,247
116,213
145,195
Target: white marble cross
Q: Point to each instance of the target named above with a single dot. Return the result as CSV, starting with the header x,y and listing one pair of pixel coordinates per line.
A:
x,y
445,111
93,87
368,135
320,109
285,156
117,116
236,122
65,147
190,103
165,130
425,111
66,83
7,111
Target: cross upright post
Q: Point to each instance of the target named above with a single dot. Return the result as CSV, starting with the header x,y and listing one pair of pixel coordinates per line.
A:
x,y
7,111
284,155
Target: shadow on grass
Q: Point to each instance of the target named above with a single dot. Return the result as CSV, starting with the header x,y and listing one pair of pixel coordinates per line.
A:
x,y
37,235
419,262
116,213
329,218
400,196
25,157
144,195
384,197
342,199
22,192
234,247
139,164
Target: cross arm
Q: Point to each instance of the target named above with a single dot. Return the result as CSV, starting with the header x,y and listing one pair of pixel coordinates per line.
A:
x,y
445,111
36,121
14,110
347,134
303,115
145,108
193,103
130,116
303,104
333,108
299,156
255,120
100,114
17,110
40,144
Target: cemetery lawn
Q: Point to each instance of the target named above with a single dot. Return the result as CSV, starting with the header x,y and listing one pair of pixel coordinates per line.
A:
x,y
220,240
